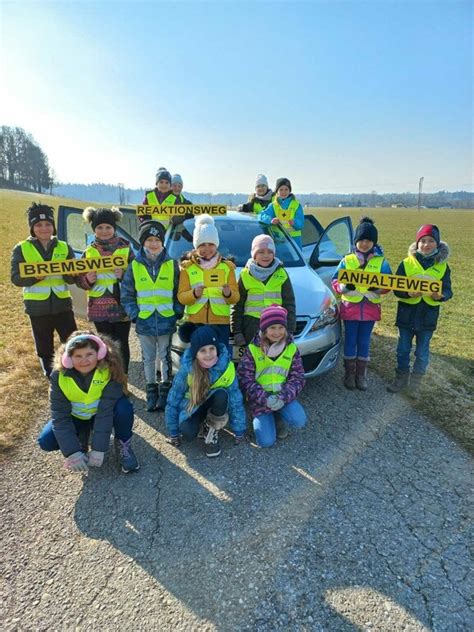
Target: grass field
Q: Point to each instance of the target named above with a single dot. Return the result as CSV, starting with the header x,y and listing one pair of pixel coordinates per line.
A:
x,y
447,389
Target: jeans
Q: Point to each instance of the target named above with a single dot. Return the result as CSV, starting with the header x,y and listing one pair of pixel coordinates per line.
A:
x,y
120,332
156,348
123,423
43,328
264,424
357,338
422,350
217,403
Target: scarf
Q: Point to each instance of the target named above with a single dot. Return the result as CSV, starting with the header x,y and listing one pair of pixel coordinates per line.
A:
x,y
259,273
208,364
207,264
275,349
153,258
264,198
107,245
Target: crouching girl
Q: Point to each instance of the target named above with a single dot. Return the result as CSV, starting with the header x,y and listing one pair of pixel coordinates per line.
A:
x,y
205,394
87,401
271,376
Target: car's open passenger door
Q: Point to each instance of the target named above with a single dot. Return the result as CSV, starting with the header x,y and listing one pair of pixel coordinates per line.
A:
x,y
333,245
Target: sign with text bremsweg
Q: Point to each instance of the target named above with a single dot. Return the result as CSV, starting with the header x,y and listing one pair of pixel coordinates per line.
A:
x,y
72,266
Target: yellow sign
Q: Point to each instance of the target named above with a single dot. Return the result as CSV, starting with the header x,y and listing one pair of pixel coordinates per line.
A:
x,y
72,266
182,209
214,278
425,285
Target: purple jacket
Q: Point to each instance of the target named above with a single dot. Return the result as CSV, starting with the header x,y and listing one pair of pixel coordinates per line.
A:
x,y
255,394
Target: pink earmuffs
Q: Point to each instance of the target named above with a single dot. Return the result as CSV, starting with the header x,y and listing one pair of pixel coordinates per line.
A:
x,y
66,359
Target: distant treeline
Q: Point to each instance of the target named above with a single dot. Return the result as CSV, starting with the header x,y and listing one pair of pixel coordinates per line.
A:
x,y
109,194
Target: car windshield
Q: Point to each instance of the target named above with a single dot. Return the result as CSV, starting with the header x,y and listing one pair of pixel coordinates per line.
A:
x,y
235,240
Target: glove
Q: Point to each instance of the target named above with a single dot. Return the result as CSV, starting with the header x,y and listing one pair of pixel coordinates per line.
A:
x,y
240,438
274,402
275,220
174,441
350,286
95,458
239,340
76,462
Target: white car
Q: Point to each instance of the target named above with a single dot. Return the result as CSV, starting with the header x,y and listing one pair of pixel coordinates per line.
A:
x,y
318,330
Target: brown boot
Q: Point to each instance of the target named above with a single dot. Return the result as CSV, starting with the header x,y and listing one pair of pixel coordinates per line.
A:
x,y
350,374
361,374
400,383
414,384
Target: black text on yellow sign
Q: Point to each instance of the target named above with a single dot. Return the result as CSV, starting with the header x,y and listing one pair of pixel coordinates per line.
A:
x,y
182,209
389,281
72,266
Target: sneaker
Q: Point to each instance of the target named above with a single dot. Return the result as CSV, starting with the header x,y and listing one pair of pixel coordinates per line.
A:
x,y
211,443
128,460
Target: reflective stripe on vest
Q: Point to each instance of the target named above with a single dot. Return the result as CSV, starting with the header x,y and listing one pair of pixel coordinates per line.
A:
x,y
41,290
105,280
154,295
217,302
271,374
152,200
84,405
413,268
285,215
224,381
261,295
373,265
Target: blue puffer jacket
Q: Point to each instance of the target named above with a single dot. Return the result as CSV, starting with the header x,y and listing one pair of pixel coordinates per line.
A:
x,y
268,214
156,324
176,408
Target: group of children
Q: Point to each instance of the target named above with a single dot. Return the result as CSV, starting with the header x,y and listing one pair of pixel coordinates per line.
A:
x,y
88,382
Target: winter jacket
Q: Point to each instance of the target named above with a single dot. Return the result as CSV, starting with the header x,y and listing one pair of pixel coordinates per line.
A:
x,y
249,207
268,214
176,408
365,310
186,294
156,324
421,316
180,199
248,325
105,308
254,392
63,426
160,197
53,304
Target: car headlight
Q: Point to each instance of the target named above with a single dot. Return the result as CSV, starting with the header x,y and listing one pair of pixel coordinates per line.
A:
x,y
327,317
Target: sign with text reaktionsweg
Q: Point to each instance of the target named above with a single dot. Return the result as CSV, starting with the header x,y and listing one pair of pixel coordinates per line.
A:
x,y
72,266
181,209
425,285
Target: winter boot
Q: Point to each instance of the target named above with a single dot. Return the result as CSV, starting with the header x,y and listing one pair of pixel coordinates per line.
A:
x,y
350,374
361,374
151,397
212,447
164,390
400,383
414,384
128,460
281,428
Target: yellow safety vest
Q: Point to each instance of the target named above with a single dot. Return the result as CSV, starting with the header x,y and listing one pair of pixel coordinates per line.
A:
x,y
374,265
413,268
257,207
84,405
217,302
224,381
154,295
105,280
152,200
269,373
285,215
261,295
41,290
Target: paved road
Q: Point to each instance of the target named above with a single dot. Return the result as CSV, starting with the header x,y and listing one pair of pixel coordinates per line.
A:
x,y
358,522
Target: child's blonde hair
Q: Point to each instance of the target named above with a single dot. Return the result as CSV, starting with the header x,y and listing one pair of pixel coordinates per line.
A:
x,y
112,361
199,386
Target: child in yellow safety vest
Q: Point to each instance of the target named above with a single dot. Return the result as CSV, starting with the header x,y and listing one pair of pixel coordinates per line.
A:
x,y
149,296
360,306
103,288
417,314
259,200
161,195
207,302
87,401
262,282
47,299
271,376
285,210
205,395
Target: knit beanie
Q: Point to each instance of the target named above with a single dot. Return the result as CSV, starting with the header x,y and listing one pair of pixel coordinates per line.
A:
x,y
273,315
176,179
262,241
282,181
366,230
163,174
96,216
428,230
198,336
151,229
205,231
40,213
261,179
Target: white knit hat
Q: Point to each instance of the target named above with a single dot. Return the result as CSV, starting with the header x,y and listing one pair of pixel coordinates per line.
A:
x,y
205,231
261,179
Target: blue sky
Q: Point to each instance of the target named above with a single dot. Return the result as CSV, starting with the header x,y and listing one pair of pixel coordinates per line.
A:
x,y
337,96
